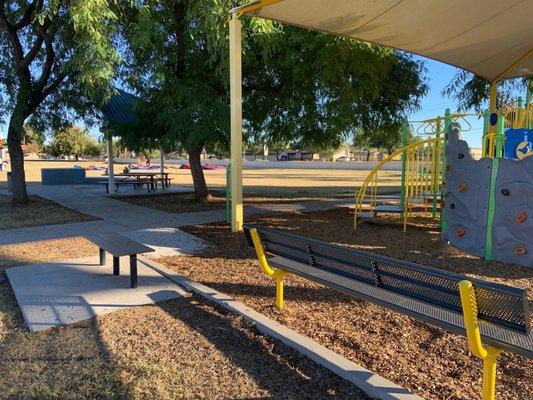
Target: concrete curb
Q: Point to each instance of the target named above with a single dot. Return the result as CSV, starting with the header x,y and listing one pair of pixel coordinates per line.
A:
x,y
375,386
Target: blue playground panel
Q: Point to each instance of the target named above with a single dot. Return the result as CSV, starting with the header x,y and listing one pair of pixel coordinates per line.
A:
x,y
63,176
516,137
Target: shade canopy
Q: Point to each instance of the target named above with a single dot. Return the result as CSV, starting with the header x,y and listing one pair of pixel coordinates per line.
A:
x,y
119,109
491,38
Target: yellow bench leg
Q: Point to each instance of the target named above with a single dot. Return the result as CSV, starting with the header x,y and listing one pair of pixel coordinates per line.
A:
x,y
488,354
279,290
278,275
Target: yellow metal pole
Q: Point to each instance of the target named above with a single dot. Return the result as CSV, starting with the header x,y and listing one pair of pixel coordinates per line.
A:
x,y
488,354
235,39
493,95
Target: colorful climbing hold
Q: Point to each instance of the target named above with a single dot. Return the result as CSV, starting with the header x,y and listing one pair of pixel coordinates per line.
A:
x,y
460,156
460,232
520,250
462,187
520,218
506,192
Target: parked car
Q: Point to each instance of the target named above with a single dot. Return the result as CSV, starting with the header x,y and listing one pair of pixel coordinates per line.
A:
x,y
342,159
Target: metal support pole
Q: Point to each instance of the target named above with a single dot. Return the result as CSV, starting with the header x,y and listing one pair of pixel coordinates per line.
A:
x,y
162,166
405,138
133,271
492,108
102,256
228,193
235,35
110,168
116,266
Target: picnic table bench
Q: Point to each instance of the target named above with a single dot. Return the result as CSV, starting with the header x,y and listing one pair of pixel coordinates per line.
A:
x,y
138,179
492,316
118,246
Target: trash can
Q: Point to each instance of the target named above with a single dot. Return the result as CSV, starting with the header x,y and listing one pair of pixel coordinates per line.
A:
x,y
9,182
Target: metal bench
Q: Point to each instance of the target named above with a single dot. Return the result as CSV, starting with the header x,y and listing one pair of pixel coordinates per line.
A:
x,y
119,246
492,316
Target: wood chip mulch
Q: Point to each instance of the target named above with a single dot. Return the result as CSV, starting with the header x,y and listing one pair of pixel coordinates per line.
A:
x,y
430,361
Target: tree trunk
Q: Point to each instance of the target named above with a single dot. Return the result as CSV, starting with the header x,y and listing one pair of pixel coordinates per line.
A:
x,y
16,155
200,186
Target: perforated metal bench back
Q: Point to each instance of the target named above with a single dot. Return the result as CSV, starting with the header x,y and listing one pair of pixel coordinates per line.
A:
x,y
499,304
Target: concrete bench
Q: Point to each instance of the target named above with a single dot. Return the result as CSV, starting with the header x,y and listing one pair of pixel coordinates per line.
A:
x,y
492,316
118,246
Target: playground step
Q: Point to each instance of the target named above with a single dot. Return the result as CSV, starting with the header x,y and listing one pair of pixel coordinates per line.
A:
x,y
367,214
388,208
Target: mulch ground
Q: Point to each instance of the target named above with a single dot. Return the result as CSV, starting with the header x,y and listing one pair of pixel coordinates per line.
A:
x,y
428,360
38,212
180,349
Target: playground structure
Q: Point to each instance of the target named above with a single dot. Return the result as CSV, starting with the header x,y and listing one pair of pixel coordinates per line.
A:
x,y
485,200
466,34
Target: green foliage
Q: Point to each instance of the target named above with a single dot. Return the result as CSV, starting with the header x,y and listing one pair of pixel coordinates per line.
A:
x,y
66,53
299,86
385,137
73,141
472,92
33,136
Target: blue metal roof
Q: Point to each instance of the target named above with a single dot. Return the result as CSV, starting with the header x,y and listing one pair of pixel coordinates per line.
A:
x,y
119,109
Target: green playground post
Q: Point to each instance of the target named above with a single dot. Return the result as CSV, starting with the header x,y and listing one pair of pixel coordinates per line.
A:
x,y
228,193
447,122
405,138
434,162
491,207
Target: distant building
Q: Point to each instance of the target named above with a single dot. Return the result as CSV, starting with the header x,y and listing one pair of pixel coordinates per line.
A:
x,y
295,155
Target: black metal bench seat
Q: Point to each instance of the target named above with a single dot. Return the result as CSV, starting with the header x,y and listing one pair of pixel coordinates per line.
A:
x,y
426,294
119,246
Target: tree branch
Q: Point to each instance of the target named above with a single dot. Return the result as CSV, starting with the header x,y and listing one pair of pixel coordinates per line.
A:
x,y
48,64
55,84
26,19
18,53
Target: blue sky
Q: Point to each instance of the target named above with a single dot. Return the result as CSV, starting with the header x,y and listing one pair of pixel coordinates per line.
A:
x,y
433,104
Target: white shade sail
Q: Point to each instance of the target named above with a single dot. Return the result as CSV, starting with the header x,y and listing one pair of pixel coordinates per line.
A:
x,y
491,38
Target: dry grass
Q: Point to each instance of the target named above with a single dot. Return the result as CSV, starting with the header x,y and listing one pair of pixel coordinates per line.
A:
x,y
261,181
181,349
431,362
37,213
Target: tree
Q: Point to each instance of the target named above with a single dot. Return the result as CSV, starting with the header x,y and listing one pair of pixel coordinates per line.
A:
x,y
298,85
73,141
387,137
472,92
55,55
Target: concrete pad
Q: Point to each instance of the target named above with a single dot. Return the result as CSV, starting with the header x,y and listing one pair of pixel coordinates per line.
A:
x,y
167,241
65,292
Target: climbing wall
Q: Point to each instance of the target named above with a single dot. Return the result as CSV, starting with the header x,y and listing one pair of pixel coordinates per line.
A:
x,y
466,209
466,196
513,220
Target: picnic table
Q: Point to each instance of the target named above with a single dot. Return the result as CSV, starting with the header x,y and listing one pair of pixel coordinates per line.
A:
x,y
150,178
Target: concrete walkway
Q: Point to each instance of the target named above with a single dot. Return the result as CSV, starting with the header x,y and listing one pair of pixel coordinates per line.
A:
x,y
157,229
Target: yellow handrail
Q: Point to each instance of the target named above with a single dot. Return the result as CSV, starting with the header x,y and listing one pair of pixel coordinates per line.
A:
x,y
422,175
